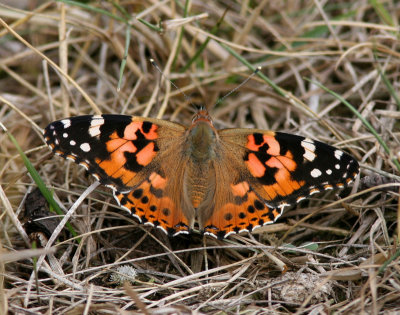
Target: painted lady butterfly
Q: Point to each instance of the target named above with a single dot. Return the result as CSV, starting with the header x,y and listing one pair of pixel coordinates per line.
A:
x,y
171,176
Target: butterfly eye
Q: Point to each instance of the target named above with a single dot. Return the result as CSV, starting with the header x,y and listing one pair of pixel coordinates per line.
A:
x,y
195,117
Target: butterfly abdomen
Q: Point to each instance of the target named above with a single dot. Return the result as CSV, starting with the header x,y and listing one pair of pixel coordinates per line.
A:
x,y
199,182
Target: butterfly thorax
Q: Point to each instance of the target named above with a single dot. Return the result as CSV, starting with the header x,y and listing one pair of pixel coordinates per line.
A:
x,y
201,141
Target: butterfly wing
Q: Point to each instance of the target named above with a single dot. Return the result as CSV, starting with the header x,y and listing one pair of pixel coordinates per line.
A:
x,y
273,170
125,153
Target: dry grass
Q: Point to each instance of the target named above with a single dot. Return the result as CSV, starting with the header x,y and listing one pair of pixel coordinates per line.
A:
x,y
336,248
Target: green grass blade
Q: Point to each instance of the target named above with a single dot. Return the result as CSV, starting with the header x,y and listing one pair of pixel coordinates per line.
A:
x,y
123,61
121,10
39,182
382,12
389,86
151,26
203,46
94,9
387,262
181,32
252,68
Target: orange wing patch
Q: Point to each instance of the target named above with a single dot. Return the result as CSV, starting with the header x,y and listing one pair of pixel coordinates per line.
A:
x,y
129,154
245,213
272,168
149,203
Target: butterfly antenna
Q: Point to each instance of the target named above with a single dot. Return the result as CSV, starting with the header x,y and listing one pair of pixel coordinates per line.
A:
x,y
187,98
239,86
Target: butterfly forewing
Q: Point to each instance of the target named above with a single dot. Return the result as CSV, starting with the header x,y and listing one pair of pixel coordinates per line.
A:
x,y
286,168
116,149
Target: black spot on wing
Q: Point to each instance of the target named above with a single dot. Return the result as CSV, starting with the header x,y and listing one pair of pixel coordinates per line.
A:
x,y
259,205
137,193
251,209
114,123
131,163
269,177
292,143
258,138
156,192
147,126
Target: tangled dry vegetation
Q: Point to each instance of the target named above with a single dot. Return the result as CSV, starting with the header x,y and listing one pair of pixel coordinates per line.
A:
x,y
332,253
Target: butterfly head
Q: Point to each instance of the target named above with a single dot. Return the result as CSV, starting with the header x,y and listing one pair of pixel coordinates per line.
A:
x,y
202,115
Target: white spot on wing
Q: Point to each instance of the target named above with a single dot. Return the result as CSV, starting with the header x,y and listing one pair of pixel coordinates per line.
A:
x,y
72,142
66,123
85,147
316,173
65,135
337,166
338,154
111,186
309,148
300,199
158,227
181,232
211,234
84,165
314,191
227,234
329,171
95,124
282,206
308,155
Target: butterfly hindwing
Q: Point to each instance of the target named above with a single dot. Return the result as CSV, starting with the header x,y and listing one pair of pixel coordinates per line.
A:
x,y
242,211
159,199
151,203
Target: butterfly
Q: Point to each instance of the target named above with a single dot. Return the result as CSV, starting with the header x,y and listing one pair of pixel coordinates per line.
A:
x,y
225,181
